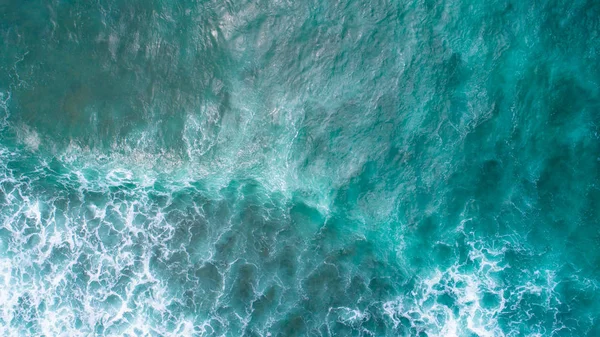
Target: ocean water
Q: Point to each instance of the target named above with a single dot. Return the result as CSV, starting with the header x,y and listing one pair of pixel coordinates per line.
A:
x,y
300,168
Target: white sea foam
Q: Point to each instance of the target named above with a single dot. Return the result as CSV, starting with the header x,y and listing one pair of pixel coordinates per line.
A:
x,y
29,137
4,100
466,288
119,177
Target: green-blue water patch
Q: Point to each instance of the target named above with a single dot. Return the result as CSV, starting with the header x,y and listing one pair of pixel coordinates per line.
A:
x,y
272,168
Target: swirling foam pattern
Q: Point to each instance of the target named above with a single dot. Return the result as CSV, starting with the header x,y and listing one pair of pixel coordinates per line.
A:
x,y
299,168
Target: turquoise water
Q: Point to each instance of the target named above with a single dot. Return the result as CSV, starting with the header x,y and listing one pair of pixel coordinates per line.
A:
x,y
299,168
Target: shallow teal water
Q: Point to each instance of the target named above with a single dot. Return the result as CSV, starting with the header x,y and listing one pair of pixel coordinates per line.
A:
x,y
299,168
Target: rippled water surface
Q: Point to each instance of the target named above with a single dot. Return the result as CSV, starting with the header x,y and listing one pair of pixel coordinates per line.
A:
x,y
300,168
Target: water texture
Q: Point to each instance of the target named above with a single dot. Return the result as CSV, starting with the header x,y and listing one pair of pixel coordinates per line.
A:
x,y
300,168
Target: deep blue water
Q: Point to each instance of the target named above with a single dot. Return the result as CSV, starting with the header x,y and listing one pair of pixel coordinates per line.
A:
x,y
300,168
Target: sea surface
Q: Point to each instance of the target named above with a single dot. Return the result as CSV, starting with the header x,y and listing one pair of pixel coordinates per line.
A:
x,y
300,168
